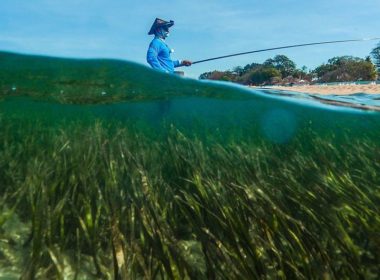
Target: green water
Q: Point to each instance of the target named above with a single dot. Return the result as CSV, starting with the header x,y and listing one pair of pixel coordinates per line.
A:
x,y
111,170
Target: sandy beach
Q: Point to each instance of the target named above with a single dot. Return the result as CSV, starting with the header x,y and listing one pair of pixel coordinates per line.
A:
x,y
330,89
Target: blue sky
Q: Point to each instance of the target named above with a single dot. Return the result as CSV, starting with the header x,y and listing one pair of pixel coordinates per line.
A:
x,y
203,28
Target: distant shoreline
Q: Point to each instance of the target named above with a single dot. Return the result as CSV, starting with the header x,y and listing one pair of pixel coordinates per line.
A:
x,y
328,89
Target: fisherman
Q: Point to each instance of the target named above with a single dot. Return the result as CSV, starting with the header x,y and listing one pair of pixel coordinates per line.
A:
x,y
158,55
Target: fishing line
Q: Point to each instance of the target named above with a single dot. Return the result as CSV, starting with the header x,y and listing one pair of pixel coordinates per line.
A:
x,y
287,47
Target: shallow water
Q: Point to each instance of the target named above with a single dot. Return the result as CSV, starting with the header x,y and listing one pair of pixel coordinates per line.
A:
x,y
56,114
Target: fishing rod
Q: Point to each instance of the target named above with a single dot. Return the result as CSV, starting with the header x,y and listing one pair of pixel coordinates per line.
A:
x,y
286,47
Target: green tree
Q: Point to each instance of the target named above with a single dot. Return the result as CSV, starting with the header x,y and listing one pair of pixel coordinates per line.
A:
x,y
238,70
301,73
228,76
250,67
375,53
282,63
346,68
323,69
219,75
205,76
263,75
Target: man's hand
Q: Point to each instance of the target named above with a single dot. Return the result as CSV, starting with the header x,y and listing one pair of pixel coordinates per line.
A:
x,y
186,62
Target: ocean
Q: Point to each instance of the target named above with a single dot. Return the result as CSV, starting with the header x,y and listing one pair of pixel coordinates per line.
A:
x,y
109,169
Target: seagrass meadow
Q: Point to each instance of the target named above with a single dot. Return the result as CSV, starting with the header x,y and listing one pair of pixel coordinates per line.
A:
x,y
109,170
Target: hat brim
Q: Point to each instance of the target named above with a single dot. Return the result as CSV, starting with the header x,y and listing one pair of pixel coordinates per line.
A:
x,y
156,25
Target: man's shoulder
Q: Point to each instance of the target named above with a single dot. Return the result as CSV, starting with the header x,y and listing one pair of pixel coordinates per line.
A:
x,y
157,42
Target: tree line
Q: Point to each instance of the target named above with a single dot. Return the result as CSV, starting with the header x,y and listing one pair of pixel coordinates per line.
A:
x,y
280,70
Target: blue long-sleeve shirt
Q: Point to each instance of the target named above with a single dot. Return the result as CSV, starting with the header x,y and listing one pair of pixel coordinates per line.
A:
x,y
158,56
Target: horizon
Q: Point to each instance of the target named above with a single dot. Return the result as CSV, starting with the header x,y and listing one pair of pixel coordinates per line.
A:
x,y
117,30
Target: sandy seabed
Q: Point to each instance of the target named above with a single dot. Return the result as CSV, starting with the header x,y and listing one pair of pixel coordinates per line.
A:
x,y
330,89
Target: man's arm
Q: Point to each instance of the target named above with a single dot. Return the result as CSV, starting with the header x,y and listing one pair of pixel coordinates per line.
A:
x,y
179,63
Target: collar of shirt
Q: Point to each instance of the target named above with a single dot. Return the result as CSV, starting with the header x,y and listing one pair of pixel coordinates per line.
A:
x,y
163,41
